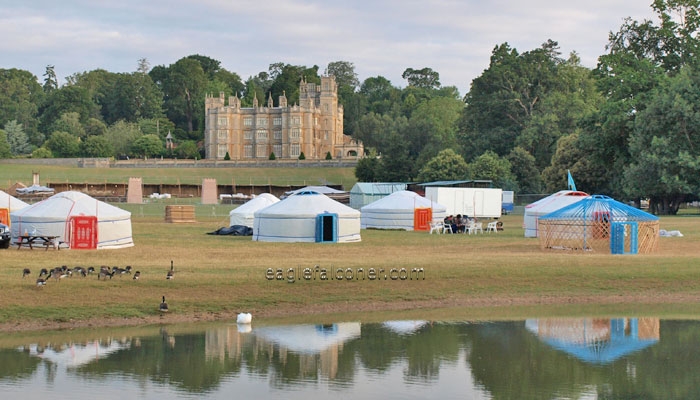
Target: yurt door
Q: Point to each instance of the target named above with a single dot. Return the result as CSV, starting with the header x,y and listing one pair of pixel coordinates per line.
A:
x,y
327,228
624,238
83,232
5,216
422,217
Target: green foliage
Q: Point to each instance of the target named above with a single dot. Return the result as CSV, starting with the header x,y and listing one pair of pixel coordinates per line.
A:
x,y
42,152
526,174
20,97
121,134
446,165
329,156
227,157
63,144
187,149
302,156
424,78
367,168
5,151
97,146
17,139
147,146
70,122
497,169
271,157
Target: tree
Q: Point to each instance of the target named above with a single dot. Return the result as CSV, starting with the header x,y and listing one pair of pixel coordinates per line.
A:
x,y
329,156
345,75
227,157
65,100
63,144
70,122
446,165
187,149
424,78
16,138
271,157
20,96
42,152
287,81
490,166
665,145
97,146
121,134
147,146
302,156
5,151
50,80
95,127
366,169
130,97
183,85
526,173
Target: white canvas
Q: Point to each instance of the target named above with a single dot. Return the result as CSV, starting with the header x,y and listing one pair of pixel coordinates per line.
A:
x,y
544,206
245,213
396,211
51,216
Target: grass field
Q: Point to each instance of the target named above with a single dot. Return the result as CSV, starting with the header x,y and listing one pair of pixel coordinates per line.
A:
x,y
488,276
476,276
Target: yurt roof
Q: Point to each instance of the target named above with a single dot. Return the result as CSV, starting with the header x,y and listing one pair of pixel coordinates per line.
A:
x,y
260,201
307,204
318,189
403,200
598,205
71,203
556,200
371,188
13,203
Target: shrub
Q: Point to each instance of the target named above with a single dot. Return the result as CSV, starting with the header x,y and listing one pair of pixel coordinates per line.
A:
x,y
328,156
227,157
302,156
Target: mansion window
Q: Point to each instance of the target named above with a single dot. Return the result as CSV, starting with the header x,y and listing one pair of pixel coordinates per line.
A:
x,y
294,134
248,121
248,135
294,150
261,134
277,149
221,134
248,151
277,121
221,151
261,122
260,151
223,121
277,135
296,121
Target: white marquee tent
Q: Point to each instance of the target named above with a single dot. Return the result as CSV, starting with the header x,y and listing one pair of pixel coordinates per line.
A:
x,y
245,213
397,211
546,205
78,220
307,217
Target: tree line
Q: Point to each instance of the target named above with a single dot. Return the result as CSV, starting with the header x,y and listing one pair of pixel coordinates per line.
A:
x,y
627,128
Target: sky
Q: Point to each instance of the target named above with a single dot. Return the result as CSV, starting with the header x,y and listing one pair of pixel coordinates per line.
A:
x,y
380,37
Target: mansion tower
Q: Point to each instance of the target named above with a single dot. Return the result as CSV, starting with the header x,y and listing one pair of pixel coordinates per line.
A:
x,y
314,126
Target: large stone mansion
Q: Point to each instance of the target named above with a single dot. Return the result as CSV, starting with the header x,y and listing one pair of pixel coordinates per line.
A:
x,y
314,126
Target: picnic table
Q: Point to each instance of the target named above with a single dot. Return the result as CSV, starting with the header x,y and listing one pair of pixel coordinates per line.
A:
x,y
37,240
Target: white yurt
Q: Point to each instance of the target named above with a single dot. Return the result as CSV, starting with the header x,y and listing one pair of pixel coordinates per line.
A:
x,y
546,205
8,204
80,221
398,210
245,213
307,217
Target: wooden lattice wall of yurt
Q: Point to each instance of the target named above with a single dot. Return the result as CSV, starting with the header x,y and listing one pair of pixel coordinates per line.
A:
x,y
592,236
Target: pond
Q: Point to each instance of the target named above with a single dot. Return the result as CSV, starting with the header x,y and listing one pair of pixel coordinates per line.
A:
x,y
551,358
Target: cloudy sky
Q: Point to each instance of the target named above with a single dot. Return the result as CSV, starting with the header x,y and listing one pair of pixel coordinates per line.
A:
x,y
380,37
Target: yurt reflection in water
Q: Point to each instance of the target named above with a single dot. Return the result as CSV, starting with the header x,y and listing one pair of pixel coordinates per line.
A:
x,y
596,340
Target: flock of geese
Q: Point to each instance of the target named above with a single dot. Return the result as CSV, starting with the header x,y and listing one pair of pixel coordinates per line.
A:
x,y
58,273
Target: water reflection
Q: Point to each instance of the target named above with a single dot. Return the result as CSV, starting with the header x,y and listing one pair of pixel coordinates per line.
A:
x,y
533,359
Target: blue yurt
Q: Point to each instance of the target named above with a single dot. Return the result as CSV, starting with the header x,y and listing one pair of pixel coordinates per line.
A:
x,y
600,224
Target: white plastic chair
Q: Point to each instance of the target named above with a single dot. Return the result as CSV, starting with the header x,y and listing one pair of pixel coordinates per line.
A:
x,y
492,226
446,228
475,227
436,226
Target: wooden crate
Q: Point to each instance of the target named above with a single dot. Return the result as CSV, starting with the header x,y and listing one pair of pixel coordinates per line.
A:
x,y
179,214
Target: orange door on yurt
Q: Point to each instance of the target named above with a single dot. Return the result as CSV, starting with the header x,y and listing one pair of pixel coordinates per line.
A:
x,y
422,218
5,216
83,232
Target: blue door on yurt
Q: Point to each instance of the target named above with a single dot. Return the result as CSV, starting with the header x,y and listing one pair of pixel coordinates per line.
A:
x,y
327,228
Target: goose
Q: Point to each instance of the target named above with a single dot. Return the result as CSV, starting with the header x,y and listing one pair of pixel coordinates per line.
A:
x,y
41,282
26,272
137,275
90,270
163,306
171,273
43,272
244,318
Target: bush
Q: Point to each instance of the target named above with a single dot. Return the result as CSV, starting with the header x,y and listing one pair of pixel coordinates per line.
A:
x,y
42,152
227,157
272,156
302,156
328,156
